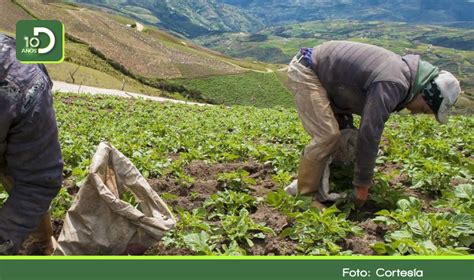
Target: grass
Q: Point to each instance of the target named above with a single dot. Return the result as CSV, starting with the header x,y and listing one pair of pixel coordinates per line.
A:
x,y
85,76
252,88
106,75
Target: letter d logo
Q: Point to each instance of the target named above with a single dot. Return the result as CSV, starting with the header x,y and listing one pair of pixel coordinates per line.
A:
x,y
39,41
49,33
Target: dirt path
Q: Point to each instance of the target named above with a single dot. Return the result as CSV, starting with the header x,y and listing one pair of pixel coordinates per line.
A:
x,y
140,26
72,88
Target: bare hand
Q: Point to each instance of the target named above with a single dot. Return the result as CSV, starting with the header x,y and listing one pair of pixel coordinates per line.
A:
x,y
360,195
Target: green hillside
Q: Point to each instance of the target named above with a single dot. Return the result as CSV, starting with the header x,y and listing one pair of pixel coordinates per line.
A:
x,y
243,89
101,50
427,11
184,17
105,49
194,18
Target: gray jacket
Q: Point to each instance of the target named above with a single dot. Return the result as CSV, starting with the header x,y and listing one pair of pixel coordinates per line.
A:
x,y
29,146
368,81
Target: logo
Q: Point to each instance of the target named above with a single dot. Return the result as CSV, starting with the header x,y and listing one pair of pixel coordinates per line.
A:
x,y
39,41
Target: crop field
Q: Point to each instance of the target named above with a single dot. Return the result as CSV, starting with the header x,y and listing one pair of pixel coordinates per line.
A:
x,y
221,170
252,88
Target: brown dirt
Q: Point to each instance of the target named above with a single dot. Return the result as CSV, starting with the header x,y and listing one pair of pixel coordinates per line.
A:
x,y
361,244
271,218
183,194
206,183
389,168
273,246
159,249
459,181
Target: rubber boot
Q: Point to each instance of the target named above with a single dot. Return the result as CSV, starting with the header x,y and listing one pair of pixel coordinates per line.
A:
x,y
309,177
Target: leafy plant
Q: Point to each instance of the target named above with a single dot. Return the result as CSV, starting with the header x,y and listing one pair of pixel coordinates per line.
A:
x,y
237,180
415,232
384,195
241,228
286,203
61,204
189,223
318,232
228,202
465,193
164,145
200,243
282,178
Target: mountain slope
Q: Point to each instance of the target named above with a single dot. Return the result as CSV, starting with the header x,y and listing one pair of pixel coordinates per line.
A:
x,y
151,53
110,51
185,17
196,18
9,15
428,11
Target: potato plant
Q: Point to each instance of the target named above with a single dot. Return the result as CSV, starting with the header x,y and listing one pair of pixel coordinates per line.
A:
x,y
422,197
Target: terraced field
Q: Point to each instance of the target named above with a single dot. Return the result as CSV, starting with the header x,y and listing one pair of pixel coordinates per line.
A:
x,y
140,54
102,51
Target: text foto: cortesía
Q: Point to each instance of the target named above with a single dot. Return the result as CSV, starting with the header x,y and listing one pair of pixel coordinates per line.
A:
x,y
382,273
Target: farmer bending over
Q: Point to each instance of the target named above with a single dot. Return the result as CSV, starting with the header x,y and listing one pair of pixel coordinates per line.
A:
x,y
339,78
30,156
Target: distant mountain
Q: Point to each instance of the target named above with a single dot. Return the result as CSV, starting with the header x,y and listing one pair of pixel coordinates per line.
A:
x,y
189,18
201,17
427,11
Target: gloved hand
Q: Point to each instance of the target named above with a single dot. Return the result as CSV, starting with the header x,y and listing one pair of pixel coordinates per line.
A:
x,y
359,195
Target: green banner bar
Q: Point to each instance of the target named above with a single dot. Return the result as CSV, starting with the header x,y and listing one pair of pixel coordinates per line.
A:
x,y
236,268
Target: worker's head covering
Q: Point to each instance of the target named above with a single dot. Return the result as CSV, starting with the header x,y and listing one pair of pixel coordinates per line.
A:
x,y
441,94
